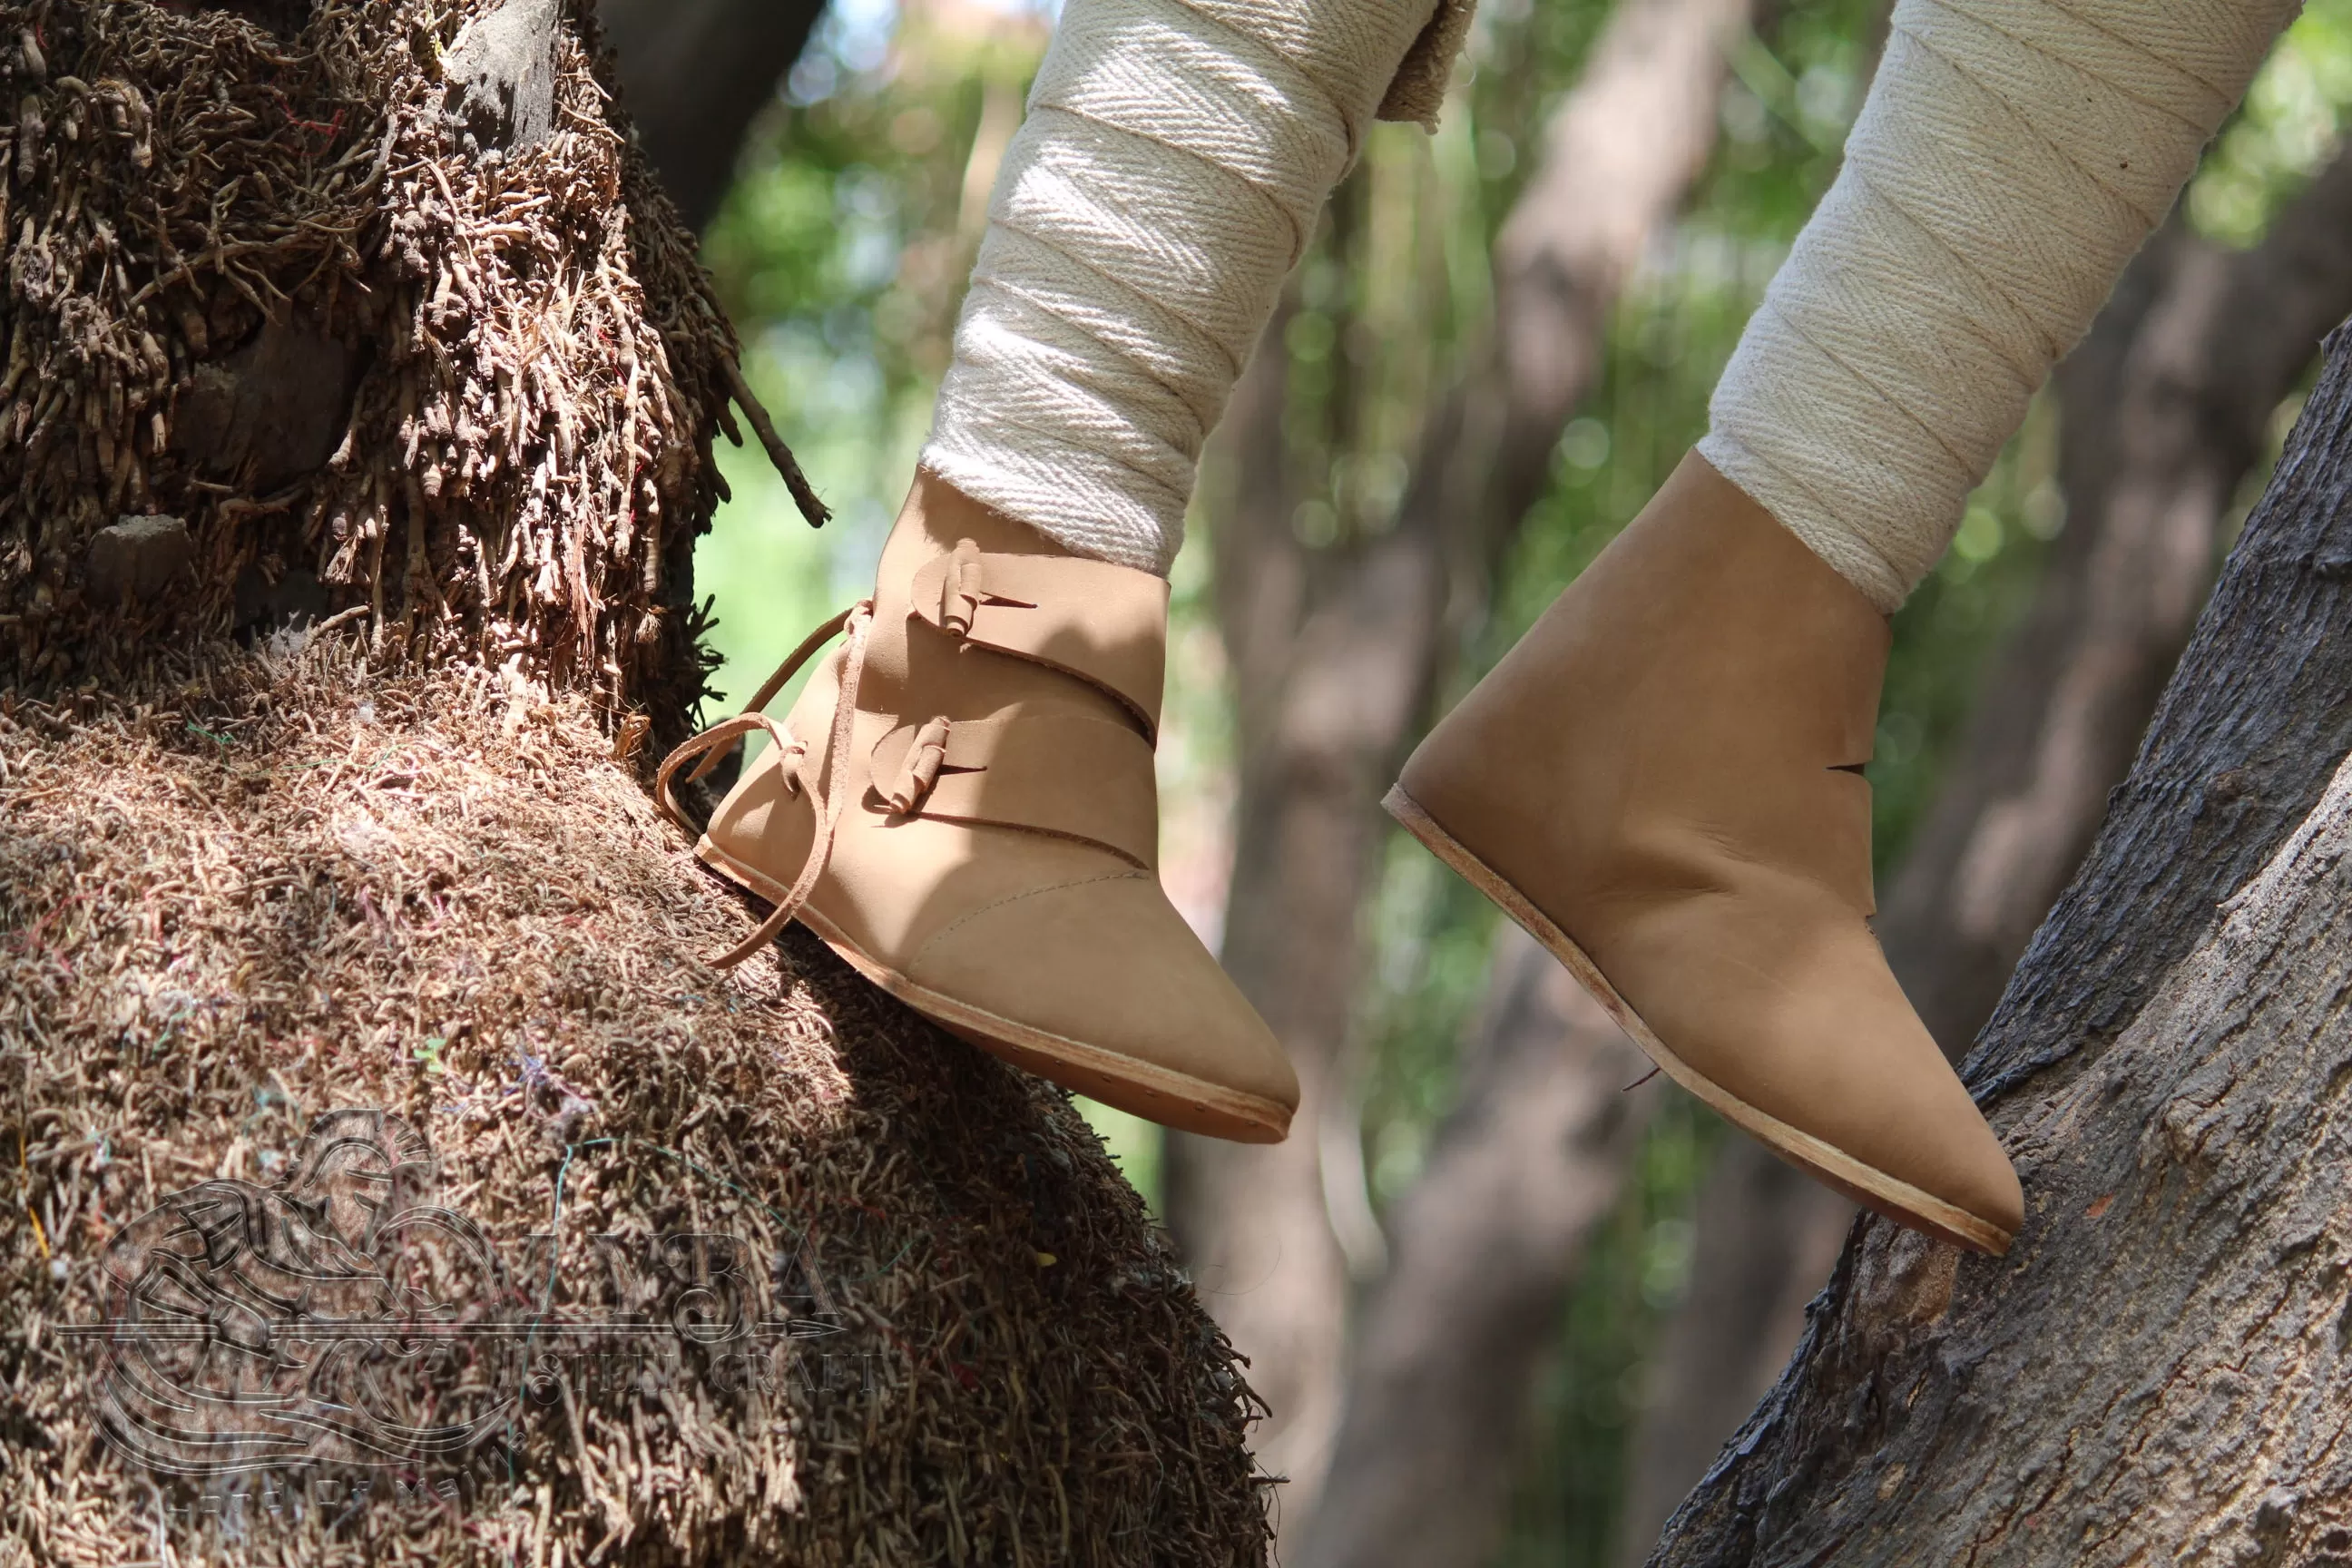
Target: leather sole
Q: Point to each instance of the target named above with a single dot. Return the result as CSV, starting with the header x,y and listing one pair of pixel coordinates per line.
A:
x,y
1155,1093
1874,1189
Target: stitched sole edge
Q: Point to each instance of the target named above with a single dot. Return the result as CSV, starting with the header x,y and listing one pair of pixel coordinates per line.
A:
x,y
1172,1099
1874,1189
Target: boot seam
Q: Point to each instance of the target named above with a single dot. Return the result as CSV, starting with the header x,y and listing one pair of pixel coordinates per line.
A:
x,y
970,915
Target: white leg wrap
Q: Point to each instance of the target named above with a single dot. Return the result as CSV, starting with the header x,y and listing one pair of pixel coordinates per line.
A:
x,y
1174,160
2011,157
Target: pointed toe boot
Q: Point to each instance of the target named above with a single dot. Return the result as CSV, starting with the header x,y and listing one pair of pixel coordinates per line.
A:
x,y
962,805
1663,783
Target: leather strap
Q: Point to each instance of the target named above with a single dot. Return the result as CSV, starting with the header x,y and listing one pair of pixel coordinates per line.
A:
x,y
829,794
1043,769
1106,625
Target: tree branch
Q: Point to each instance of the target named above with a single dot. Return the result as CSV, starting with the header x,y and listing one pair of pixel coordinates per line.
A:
x,y
788,466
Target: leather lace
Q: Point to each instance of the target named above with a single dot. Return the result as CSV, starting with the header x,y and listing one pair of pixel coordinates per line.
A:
x,y
711,744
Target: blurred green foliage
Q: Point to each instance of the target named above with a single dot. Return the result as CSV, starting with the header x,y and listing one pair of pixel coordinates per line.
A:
x,y
842,253
2285,130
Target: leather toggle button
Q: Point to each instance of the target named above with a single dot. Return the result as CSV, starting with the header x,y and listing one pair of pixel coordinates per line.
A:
x,y
961,594
921,770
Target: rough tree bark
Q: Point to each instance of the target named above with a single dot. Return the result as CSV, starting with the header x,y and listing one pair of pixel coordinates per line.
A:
x,y
2162,412
2155,1371
1336,653
360,395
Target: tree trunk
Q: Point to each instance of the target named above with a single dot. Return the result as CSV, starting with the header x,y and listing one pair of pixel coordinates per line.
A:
x,y
2162,412
1327,659
1337,652
392,1180
356,313
2150,1372
1485,1246
696,73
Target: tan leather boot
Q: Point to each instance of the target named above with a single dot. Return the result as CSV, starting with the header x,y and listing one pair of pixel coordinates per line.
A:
x,y
962,805
1661,782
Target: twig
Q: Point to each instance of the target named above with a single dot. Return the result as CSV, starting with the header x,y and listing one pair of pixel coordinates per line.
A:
x,y
215,256
803,496
240,506
339,618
